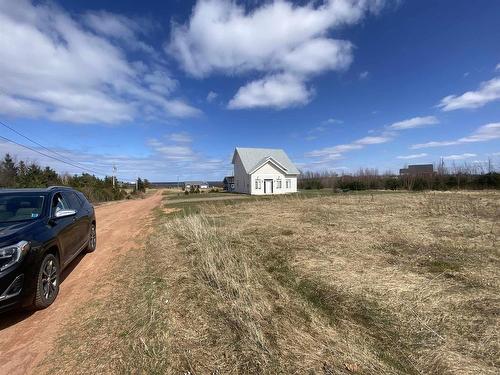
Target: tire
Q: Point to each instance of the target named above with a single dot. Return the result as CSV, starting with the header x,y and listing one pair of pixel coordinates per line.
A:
x,y
92,239
47,283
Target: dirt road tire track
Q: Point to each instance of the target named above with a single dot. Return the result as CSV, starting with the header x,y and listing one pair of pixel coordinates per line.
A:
x,y
25,338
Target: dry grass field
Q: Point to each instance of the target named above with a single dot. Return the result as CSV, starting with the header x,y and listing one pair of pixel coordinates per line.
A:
x,y
392,283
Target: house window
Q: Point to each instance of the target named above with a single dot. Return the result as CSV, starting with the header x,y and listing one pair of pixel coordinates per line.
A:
x,y
288,183
258,183
278,183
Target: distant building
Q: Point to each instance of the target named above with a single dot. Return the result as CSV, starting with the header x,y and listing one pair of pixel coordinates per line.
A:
x,y
196,184
417,169
228,183
260,171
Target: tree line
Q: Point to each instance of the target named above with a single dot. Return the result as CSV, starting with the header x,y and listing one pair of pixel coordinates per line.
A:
x,y
471,177
22,174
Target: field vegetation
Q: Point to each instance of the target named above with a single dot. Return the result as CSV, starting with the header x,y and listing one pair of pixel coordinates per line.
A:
x,y
389,283
455,177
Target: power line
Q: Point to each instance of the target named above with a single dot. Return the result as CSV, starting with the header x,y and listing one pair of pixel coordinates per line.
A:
x,y
52,157
46,148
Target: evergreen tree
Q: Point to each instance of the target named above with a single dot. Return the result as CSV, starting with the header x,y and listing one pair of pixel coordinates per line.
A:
x,y
8,172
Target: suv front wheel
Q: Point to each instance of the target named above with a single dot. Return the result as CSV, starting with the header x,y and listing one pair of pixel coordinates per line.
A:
x,y
47,287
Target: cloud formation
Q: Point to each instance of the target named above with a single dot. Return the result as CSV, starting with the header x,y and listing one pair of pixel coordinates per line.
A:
x,y
487,92
211,96
459,156
415,122
332,120
484,133
278,91
63,68
224,37
177,153
180,137
413,156
336,152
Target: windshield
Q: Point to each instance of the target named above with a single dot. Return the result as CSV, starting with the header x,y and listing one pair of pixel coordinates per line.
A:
x,y
20,207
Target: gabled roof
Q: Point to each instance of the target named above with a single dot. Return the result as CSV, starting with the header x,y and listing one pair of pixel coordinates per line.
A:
x,y
271,160
253,158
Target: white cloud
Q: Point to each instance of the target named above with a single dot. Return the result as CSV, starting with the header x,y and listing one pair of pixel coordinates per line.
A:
x,y
497,68
459,157
415,122
56,68
332,120
160,82
434,144
180,137
384,137
312,134
364,75
113,25
484,133
336,151
275,38
488,91
211,96
278,91
413,156
20,107
373,140
180,156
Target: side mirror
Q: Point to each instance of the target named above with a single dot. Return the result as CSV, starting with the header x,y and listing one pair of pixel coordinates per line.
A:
x,y
64,213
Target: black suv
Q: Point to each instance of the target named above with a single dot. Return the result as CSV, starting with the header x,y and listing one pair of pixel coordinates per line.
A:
x,y
41,232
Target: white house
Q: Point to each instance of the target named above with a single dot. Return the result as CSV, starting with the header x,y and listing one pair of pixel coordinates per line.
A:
x,y
260,171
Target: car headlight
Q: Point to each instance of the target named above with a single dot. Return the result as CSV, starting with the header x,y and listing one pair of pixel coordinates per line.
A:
x,y
11,255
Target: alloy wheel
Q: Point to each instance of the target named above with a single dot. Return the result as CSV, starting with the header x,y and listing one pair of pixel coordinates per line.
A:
x,y
50,280
93,237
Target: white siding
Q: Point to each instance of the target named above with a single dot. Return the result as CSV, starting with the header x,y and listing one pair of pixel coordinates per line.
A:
x,y
241,178
269,172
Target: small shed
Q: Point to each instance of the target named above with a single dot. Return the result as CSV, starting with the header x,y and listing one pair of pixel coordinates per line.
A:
x,y
228,183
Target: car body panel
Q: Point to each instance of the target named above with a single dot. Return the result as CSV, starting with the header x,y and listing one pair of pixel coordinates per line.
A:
x,y
64,236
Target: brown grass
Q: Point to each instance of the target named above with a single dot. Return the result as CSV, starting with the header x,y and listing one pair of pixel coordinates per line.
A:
x,y
385,283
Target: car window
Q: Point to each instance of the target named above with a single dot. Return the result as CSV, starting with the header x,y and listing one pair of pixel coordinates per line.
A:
x,y
20,207
82,197
74,202
59,203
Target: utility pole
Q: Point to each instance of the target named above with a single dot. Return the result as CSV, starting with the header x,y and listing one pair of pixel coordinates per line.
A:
x,y
114,176
137,184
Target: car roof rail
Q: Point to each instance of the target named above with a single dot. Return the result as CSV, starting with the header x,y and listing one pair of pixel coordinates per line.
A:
x,y
59,187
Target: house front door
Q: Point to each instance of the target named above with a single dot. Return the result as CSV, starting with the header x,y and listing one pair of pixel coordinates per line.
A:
x,y
268,186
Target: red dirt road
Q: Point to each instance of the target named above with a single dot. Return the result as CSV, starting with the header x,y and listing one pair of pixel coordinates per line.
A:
x,y
25,338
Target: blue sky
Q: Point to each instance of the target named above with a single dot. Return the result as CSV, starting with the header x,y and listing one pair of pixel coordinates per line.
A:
x,y
168,89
